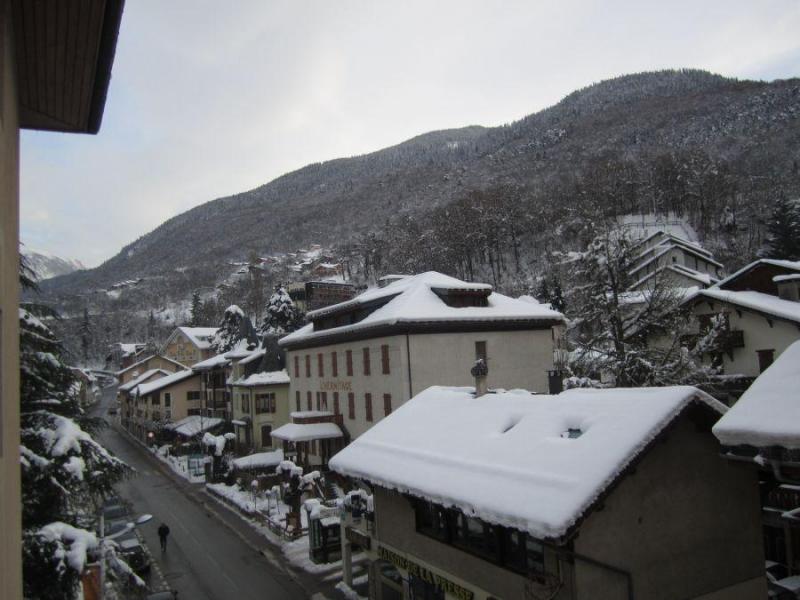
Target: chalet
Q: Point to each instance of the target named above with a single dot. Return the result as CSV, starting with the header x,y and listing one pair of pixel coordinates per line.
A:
x,y
682,263
762,431
55,68
154,361
364,358
189,345
165,400
591,494
761,312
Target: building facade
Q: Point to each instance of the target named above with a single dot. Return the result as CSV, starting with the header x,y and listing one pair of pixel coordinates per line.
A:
x,y
260,405
164,400
189,345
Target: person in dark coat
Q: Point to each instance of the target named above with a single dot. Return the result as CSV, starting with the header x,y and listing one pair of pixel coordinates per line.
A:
x,y
163,532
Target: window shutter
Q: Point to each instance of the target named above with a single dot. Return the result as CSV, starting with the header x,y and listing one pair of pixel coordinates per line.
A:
x,y
387,404
368,405
349,361
351,405
365,353
334,365
385,359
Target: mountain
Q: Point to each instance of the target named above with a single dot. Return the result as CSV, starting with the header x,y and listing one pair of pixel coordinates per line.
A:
x,y
750,129
47,265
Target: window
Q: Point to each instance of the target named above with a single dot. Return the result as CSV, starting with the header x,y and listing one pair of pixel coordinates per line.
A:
x,y
297,401
334,365
168,414
265,403
480,351
308,400
765,359
156,398
368,405
336,403
308,365
317,398
324,397
296,367
385,359
387,404
351,405
266,436
167,399
349,362
365,353
245,402
320,365
192,396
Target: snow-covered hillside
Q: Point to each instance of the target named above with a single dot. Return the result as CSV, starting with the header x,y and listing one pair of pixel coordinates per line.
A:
x,y
47,265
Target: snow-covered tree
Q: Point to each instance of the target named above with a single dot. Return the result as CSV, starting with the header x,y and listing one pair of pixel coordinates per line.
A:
x,y
281,315
65,472
635,338
196,310
783,231
235,329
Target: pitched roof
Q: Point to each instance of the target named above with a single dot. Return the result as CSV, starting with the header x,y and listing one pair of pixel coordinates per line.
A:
x,y
768,413
757,301
414,299
141,379
199,336
144,360
210,363
171,379
268,378
786,264
532,462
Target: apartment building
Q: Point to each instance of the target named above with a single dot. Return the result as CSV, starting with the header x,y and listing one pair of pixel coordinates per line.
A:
x,y
364,358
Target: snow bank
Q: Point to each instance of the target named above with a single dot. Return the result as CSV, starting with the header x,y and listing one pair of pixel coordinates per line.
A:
x,y
768,413
485,455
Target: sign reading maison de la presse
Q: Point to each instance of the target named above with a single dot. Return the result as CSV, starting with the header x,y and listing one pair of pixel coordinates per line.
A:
x,y
424,574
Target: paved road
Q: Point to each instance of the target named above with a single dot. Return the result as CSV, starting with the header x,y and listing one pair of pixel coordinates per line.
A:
x,y
211,554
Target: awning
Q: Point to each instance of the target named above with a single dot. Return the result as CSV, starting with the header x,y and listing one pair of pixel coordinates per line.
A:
x,y
304,432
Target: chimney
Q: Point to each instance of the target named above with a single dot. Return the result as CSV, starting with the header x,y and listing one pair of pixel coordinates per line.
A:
x,y
479,372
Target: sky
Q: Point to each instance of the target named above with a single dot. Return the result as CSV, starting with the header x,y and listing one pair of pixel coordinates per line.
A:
x,y
211,98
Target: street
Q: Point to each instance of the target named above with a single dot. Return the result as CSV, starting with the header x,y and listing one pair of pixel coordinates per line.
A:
x,y
211,554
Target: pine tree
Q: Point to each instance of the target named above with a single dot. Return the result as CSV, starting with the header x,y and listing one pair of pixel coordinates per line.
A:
x,y
86,335
65,472
783,231
281,315
195,312
235,330
557,296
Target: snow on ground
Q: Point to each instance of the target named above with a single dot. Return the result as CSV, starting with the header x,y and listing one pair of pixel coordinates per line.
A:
x,y
768,413
348,592
484,454
180,465
259,460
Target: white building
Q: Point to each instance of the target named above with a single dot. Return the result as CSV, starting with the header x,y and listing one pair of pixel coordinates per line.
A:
x,y
363,358
682,263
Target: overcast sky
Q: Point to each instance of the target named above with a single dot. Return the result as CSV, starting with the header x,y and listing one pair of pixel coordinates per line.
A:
x,y
211,98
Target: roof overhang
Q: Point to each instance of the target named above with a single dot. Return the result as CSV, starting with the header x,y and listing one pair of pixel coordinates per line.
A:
x,y
64,54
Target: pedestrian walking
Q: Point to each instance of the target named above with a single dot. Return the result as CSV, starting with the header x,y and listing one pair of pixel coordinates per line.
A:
x,y
163,532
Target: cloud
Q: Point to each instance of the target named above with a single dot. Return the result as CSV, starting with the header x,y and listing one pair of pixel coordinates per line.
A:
x,y
209,99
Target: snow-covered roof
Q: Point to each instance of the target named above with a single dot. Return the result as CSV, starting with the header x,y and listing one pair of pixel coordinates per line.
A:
x,y
782,278
264,378
199,336
703,278
758,301
413,300
663,248
242,349
254,355
144,360
126,387
768,413
149,388
531,462
259,460
786,264
210,363
304,432
193,424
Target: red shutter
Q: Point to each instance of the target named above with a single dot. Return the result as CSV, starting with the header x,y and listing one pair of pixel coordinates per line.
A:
x,y
349,363
351,405
297,367
385,359
365,353
334,365
387,404
308,365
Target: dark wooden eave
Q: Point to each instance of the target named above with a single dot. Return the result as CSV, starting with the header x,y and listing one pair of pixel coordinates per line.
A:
x,y
64,54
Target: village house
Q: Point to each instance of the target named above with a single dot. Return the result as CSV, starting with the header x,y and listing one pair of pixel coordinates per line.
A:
x,y
364,358
592,494
760,309
666,257
155,361
126,397
164,400
260,402
762,431
189,345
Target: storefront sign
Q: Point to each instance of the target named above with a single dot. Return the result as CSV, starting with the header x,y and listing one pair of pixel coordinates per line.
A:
x,y
424,574
337,386
358,538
